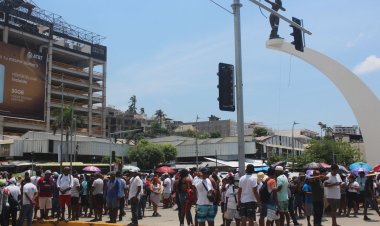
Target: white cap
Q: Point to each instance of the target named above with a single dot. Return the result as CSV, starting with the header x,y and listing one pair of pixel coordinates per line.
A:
x,y
279,168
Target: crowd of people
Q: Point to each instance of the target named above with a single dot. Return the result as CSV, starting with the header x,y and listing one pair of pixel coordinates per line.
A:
x,y
273,197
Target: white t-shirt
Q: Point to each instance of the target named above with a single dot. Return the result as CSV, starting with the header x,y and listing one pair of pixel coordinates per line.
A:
x,y
167,185
133,187
334,191
30,190
202,192
75,188
231,194
196,180
98,187
14,191
247,183
65,182
352,185
34,179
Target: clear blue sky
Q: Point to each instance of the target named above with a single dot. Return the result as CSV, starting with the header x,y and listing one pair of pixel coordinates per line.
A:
x,y
166,52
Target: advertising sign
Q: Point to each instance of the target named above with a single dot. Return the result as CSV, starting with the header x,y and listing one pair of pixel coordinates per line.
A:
x,y
22,82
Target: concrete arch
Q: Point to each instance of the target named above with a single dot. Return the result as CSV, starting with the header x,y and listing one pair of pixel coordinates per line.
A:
x,y
363,102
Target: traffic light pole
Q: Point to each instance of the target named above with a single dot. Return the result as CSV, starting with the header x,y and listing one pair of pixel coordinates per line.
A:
x,y
239,86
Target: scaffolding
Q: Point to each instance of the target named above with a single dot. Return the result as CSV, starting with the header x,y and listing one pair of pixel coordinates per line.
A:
x,y
30,11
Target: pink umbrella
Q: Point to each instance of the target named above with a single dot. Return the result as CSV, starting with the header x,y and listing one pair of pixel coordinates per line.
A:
x,y
165,169
91,169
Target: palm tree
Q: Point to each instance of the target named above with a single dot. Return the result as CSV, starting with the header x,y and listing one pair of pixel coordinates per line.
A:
x,y
66,120
132,109
323,127
160,117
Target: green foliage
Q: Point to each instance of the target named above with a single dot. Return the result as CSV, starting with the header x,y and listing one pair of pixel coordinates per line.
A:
x,y
328,150
170,152
273,158
260,131
132,109
106,159
148,155
215,135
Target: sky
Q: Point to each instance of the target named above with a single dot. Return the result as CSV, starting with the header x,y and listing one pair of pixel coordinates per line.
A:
x,y
166,53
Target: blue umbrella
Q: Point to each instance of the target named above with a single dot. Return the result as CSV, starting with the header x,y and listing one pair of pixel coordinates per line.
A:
x,y
357,165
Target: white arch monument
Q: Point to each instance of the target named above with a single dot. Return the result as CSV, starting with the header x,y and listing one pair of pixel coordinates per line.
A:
x,y
364,104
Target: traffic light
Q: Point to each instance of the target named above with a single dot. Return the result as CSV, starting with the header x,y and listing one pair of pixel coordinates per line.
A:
x,y
298,35
226,87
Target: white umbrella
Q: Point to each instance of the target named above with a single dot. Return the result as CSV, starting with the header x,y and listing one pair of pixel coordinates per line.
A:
x,y
130,168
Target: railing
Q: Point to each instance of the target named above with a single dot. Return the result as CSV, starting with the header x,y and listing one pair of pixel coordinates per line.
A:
x,y
59,77
24,122
70,67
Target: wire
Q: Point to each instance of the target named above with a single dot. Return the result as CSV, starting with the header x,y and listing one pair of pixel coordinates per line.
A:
x,y
262,12
221,6
290,69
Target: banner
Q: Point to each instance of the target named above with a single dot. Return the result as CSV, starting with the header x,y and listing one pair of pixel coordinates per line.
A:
x,y
22,82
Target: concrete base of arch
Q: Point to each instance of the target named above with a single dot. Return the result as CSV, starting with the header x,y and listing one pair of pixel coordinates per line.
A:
x,y
363,102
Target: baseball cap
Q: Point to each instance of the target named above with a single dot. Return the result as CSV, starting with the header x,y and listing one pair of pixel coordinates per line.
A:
x,y
279,168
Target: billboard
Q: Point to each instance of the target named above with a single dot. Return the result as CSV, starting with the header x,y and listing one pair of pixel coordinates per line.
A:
x,y
22,82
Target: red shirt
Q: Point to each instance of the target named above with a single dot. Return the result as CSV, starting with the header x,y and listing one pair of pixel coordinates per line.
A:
x,y
45,187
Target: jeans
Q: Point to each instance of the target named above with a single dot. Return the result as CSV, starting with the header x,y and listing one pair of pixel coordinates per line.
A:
x,y
10,212
26,213
318,212
134,210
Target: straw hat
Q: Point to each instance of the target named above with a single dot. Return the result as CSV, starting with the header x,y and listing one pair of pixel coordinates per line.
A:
x,y
371,174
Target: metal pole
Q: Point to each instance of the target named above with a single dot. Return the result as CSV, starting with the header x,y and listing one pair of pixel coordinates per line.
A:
x,y
110,152
71,136
239,86
60,151
196,142
294,157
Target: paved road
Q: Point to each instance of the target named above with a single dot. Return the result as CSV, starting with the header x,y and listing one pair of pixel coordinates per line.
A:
x,y
169,218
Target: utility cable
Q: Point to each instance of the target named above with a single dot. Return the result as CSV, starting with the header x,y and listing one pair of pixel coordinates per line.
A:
x,y
221,6
262,12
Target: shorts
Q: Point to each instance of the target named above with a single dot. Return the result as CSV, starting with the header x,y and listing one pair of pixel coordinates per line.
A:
x,y
232,214
248,210
273,215
308,209
112,203
283,206
205,213
98,201
45,203
369,201
64,200
263,211
334,203
74,201
166,195
84,200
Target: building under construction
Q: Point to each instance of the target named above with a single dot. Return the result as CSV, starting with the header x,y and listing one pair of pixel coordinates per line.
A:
x,y
47,64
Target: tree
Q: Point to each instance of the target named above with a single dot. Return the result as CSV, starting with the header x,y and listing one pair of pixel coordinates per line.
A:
x,y
160,117
329,151
142,111
260,131
65,118
170,152
215,135
132,109
106,159
146,155
323,127
273,158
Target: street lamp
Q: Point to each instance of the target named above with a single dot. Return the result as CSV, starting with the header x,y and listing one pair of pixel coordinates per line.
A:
x,y
61,149
294,123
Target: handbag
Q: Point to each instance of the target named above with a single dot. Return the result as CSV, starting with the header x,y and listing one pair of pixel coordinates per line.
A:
x,y
210,194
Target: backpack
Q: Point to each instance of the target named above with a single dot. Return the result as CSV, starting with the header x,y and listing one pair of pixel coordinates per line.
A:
x,y
264,193
13,203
